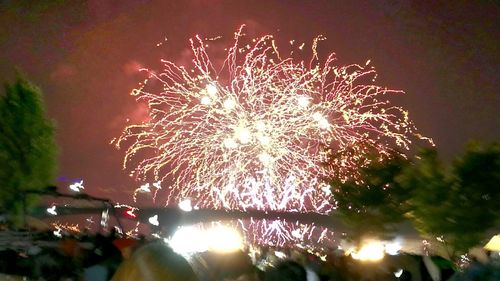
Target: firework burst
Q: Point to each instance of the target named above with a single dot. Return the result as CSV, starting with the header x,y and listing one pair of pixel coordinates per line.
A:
x,y
253,132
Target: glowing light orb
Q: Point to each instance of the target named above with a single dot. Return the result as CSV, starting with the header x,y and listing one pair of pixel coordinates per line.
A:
x,y
52,210
218,238
187,240
154,220
224,239
185,205
229,104
76,186
371,252
393,248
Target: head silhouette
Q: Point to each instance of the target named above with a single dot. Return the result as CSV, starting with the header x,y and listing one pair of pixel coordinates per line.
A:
x,y
154,262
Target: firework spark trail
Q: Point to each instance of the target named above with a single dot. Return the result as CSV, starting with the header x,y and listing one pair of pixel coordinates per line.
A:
x,y
253,133
281,233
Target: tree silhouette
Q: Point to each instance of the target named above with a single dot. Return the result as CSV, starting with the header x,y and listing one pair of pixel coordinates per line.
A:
x,y
28,152
368,196
457,203
454,205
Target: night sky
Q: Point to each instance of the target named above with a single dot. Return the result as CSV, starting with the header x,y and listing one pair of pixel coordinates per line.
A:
x,y
85,55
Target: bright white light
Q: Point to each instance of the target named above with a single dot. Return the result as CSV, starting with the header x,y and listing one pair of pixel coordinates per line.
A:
x,y
104,217
224,239
280,255
243,135
57,233
265,158
192,239
144,188
372,251
303,101
52,210
323,123
185,205
157,184
260,125
264,140
211,90
317,116
229,104
77,186
206,100
327,189
131,213
187,240
393,248
398,273
230,143
154,220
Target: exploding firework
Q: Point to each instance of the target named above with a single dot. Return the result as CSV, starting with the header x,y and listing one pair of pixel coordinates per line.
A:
x,y
253,132
287,233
